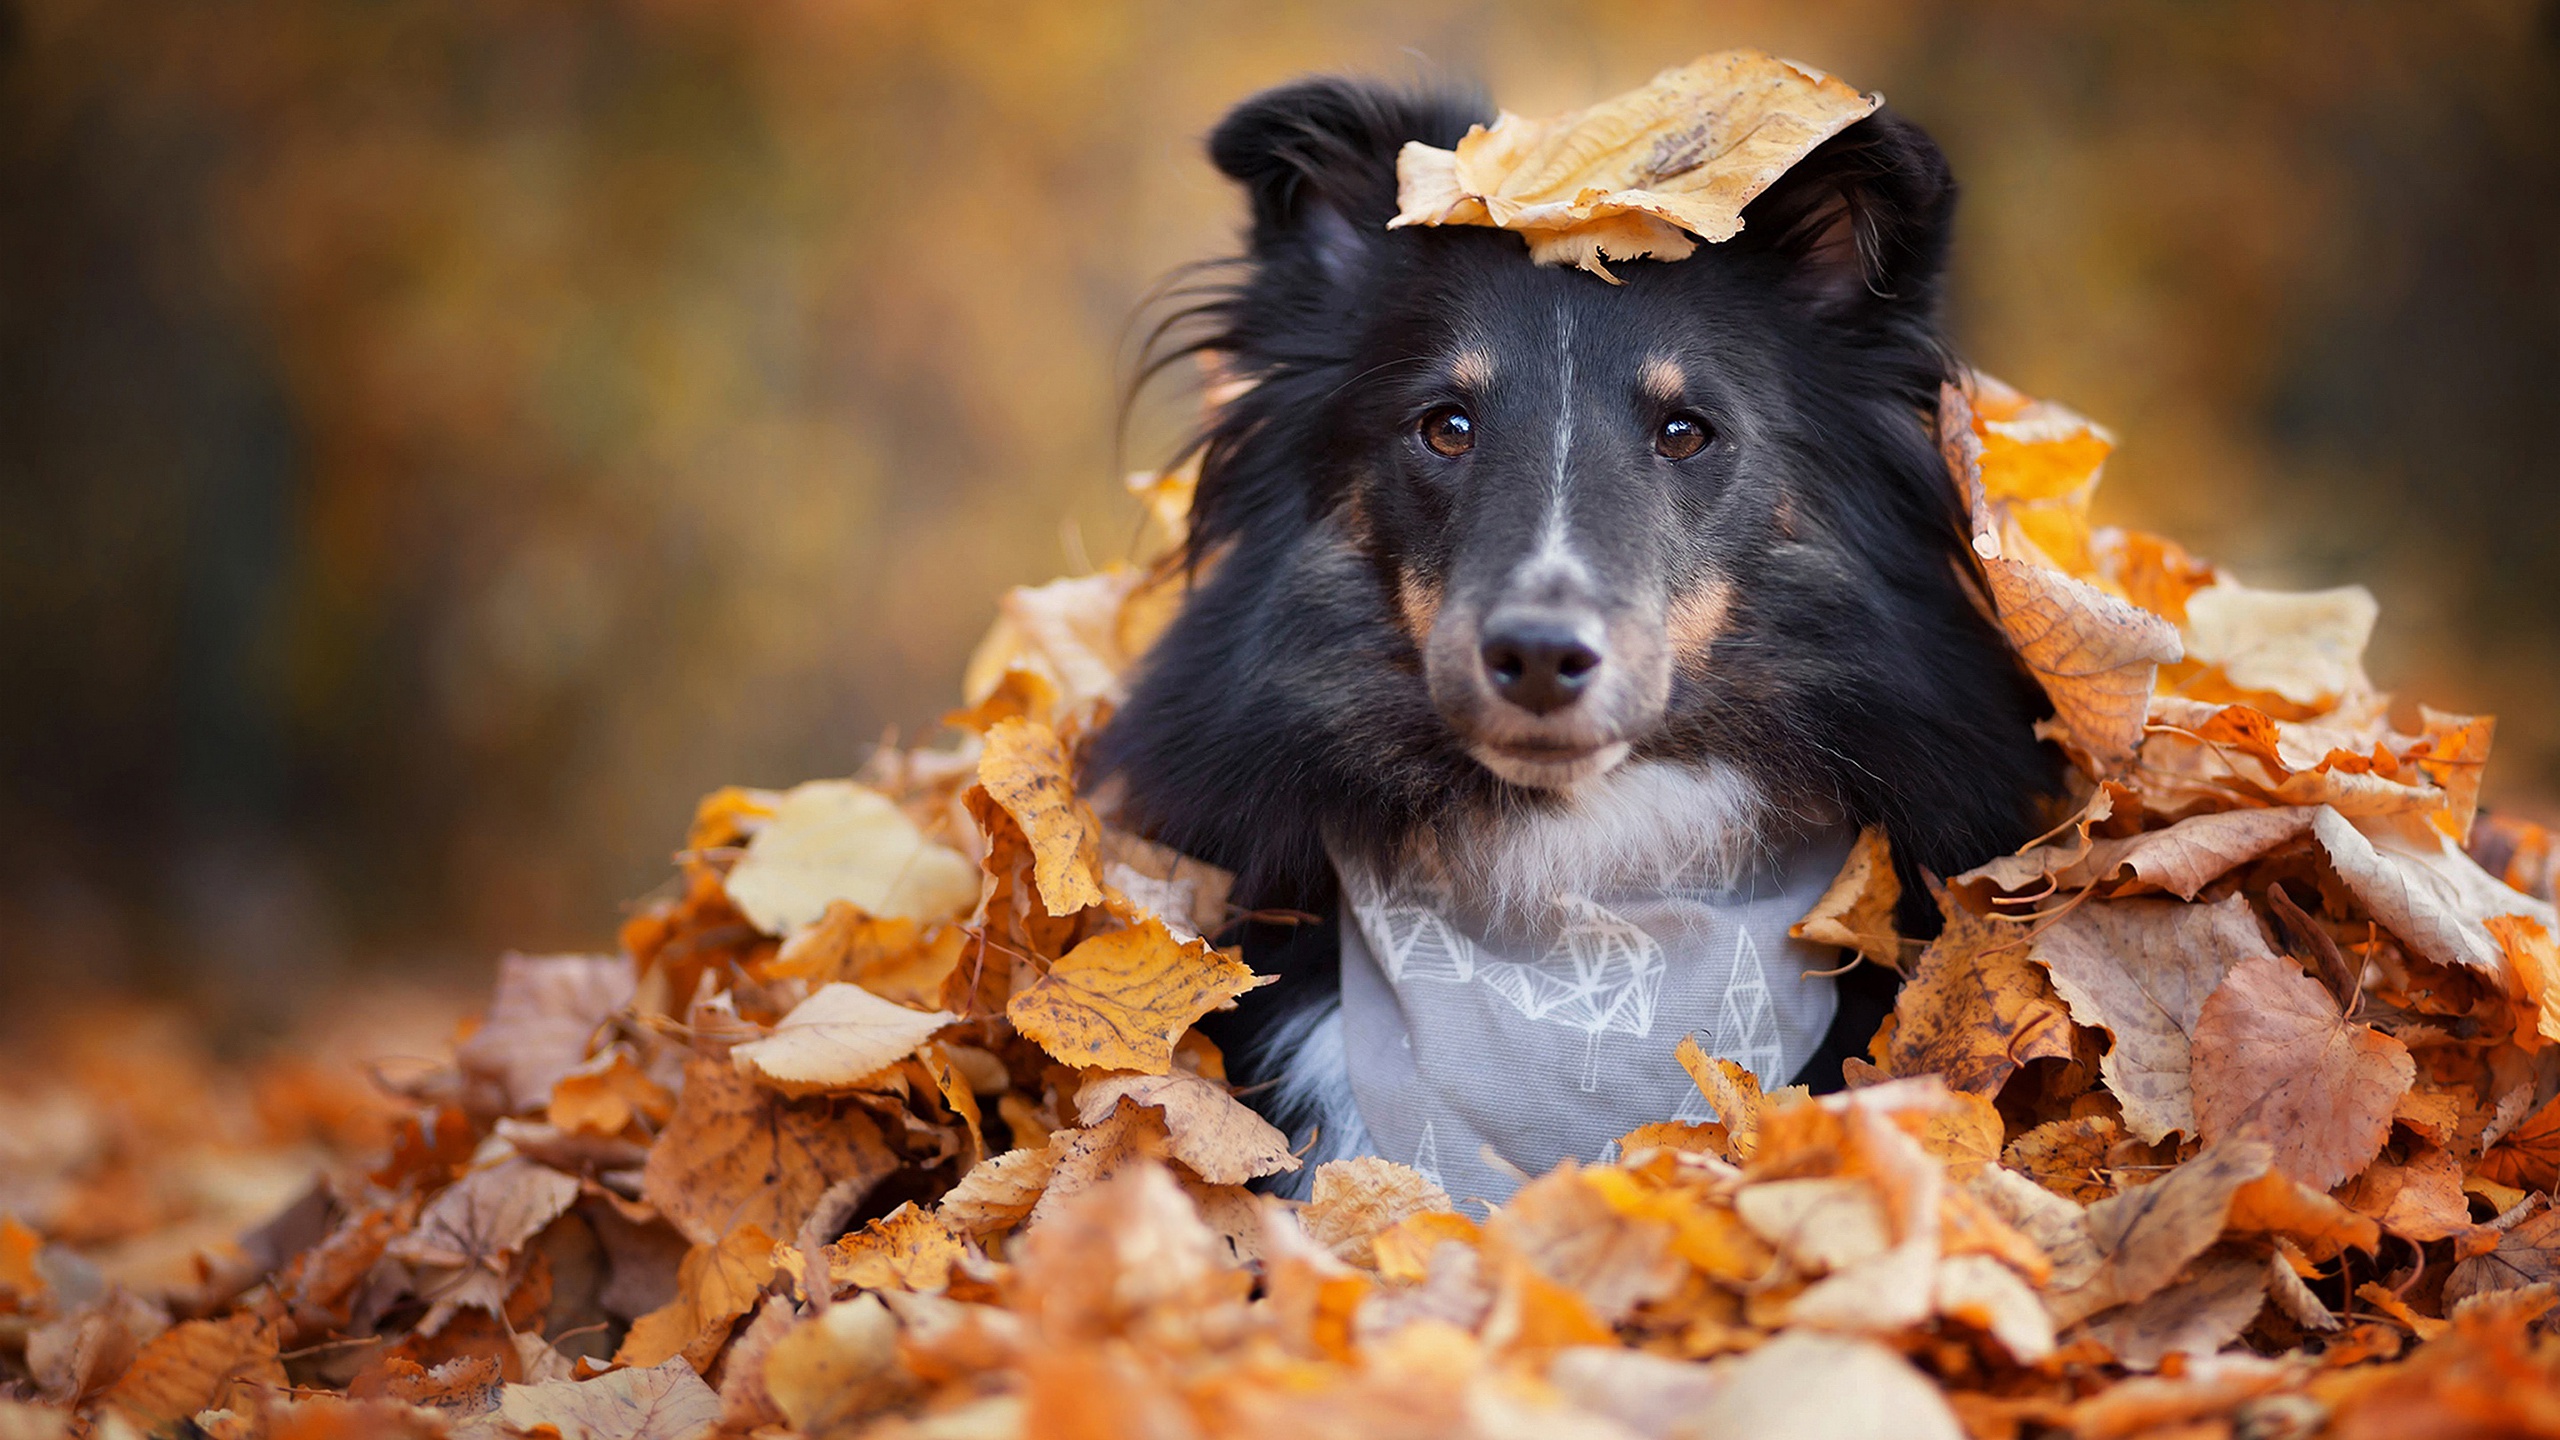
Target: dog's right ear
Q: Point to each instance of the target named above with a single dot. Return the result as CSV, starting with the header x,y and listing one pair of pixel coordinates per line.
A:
x,y
1318,159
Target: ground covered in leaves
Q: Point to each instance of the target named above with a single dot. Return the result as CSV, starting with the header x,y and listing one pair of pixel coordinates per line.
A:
x,y
2229,1107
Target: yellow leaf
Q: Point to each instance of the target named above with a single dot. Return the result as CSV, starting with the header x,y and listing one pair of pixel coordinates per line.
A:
x,y
1623,179
1213,1133
1353,1201
834,1038
908,1249
834,1367
714,1286
1025,770
1856,913
833,840
1119,1001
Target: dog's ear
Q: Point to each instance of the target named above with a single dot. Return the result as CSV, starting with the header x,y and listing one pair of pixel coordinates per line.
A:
x,y
1318,159
1864,220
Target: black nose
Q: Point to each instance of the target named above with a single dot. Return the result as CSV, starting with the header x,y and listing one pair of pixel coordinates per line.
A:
x,y
1538,663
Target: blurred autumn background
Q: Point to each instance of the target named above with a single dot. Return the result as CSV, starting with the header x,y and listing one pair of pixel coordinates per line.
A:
x,y
439,439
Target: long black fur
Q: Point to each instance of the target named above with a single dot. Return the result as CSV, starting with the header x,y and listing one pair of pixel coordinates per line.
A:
x,y
1285,711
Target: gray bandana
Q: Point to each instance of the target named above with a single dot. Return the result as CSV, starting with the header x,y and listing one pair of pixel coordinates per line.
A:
x,y
1551,1037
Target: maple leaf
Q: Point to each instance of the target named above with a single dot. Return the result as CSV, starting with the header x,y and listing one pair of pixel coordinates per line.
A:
x,y
662,1402
834,1039
2146,1235
1975,1009
1856,911
715,1285
2140,970
2274,1056
737,1155
1025,770
1211,1132
1352,1201
545,1011
832,840
1120,1000
1623,179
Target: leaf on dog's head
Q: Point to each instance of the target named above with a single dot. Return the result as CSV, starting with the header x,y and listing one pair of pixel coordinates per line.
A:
x,y
1120,1000
1639,175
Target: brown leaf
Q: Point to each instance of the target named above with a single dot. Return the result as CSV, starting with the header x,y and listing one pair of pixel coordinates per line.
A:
x,y
2528,1154
1223,1142
2426,891
604,1096
738,1155
1564,1227
486,1216
2146,1235
2197,1316
2529,1254
2274,1057
908,1249
1731,1091
715,1285
2067,1157
1126,1246
195,1366
2285,1287
2533,954
2418,1200
2279,1204
543,1014
999,1191
664,1402
1025,770
1856,912
834,1039
1131,1136
74,1355
2140,970
832,840
1624,179
1120,1000
1353,1201
2181,859
1975,1010
2302,649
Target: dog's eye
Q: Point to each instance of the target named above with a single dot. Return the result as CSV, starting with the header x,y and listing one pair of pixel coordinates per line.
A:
x,y
1681,436
1448,431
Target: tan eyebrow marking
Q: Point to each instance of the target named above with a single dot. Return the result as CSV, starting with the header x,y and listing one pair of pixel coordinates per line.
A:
x,y
1473,369
1663,378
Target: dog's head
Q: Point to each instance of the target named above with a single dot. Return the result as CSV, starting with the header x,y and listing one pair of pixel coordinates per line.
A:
x,y
1696,515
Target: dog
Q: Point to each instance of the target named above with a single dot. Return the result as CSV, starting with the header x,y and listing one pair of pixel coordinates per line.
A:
x,y
1515,589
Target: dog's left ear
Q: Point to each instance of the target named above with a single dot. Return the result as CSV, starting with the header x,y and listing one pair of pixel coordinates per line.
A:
x,y
1864,220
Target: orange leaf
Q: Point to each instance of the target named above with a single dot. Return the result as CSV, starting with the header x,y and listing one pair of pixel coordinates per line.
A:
x,y
1024,769
2274,1057
1975,1009
715,1285
1120,1000
736,1155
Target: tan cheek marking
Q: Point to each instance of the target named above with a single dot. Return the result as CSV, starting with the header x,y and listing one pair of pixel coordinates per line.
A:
x,y
1698,619
1663,378
1418,596
1785,518
1472,370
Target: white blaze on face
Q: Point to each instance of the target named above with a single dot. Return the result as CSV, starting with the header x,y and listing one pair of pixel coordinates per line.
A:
x,y
1555,565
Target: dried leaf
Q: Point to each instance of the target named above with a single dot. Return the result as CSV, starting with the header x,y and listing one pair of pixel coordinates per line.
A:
x,y
2197,1316
2140,970
738,1155
832,840
664,1402
1624,179
2279,1204
715,1285
2285,1287
487,1215
1807,1386
2067,1157
2307,648
1223,1142
1975,1009
2146,1235
1856,912
998,1192
1989,1296
909,1249
2273,1057
1564,1228
834,1039
1132,1136
2533,955
2181,859
195,1366
1120,1000
834,1367
2528,1254
2418,1200
2426,891
1353,1201
1025,770
543,1014
2527,1154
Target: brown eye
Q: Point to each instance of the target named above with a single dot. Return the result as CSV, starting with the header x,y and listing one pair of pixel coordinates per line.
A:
x,y
1449,431
1680,437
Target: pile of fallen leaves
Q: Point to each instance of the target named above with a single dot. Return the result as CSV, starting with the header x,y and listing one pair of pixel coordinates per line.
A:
x,y
2230,1106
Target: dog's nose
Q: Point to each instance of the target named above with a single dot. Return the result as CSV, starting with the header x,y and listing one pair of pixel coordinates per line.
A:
x,y
1538,662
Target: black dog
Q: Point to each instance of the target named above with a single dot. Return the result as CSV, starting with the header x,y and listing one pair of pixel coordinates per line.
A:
x,y
1561,577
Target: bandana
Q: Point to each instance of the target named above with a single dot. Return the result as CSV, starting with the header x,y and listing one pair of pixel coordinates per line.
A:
x,y
1547,1037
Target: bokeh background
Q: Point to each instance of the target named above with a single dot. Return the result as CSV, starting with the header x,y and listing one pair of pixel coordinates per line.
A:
x,y
441,438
